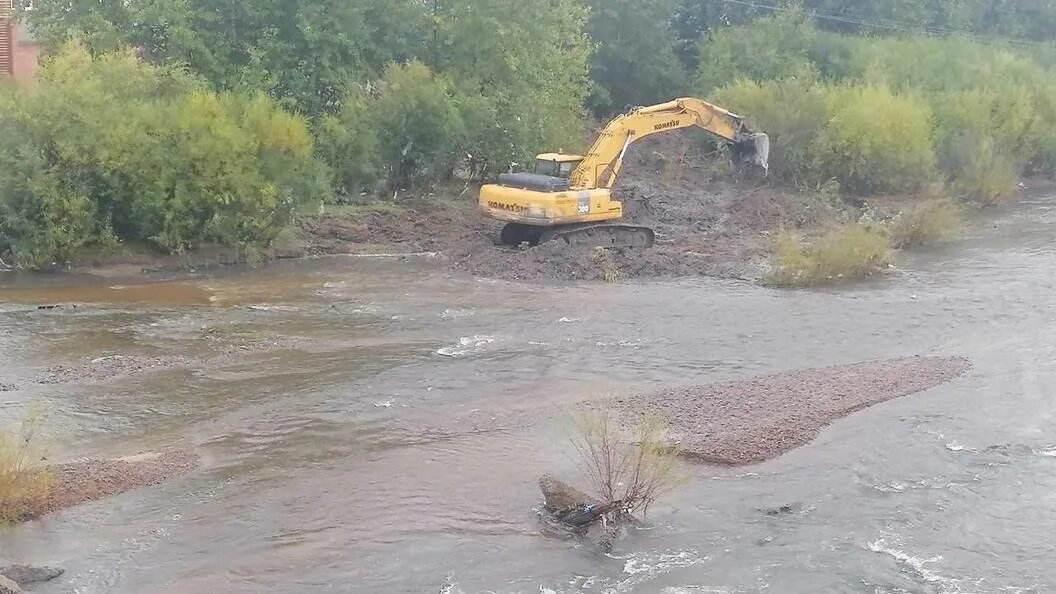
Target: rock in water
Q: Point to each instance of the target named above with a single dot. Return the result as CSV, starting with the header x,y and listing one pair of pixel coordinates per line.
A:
x,y
561,496
28,574
8,586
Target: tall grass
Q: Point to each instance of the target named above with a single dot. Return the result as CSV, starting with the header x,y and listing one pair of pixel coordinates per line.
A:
x,y
924,223
25,481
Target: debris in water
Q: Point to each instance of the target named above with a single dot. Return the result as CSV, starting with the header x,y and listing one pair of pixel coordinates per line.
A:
x,y
383,404
29,574
466,345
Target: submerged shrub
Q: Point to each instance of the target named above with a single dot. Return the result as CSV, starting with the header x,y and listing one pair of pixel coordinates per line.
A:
x,y
850,251
25,482
924,223
634,464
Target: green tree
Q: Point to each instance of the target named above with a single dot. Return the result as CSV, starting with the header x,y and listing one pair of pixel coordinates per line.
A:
x,y
422,124
306,54
520,67
108,147
635,62
770,48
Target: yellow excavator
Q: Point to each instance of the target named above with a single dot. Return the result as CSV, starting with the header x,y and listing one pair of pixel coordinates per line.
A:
x,y
568,197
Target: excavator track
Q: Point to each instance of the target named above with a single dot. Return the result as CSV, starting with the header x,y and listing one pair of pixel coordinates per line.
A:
x,y
592,235
581,235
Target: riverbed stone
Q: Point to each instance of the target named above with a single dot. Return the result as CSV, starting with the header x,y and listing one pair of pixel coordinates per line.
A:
x,y
559,495
28,574
8,586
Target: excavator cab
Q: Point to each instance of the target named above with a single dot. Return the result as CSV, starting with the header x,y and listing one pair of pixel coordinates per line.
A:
x,y
557,164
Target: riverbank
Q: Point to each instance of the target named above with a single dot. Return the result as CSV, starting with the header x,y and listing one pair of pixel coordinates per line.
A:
x,y
707,225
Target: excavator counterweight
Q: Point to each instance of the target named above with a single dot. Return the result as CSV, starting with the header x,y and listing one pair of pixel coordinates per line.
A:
x,y
568,197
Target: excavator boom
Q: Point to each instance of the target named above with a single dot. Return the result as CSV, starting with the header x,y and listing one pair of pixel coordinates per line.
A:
x,y
602,164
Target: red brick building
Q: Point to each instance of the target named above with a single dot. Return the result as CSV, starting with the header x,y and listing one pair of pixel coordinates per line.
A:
x,y
19,52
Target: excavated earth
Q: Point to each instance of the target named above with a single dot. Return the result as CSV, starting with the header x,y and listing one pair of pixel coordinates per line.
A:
x,y
706,225
749,421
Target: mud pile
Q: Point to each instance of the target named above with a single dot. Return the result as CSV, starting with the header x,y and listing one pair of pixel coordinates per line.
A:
x,y
706,225
749,421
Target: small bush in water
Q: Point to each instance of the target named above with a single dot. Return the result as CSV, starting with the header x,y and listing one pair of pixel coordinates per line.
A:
x,y
851,251
24,481
634,465
930,221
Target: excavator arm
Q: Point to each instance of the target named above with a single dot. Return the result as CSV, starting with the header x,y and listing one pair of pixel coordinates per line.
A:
x,y
602,164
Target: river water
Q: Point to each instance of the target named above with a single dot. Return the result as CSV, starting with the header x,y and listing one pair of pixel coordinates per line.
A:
x,y
379,426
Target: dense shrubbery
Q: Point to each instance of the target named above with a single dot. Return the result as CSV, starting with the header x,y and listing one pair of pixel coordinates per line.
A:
x,y
888,115
109,148
498,80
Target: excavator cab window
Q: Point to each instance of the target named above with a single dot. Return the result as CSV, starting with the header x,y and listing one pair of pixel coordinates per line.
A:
x,y
561,169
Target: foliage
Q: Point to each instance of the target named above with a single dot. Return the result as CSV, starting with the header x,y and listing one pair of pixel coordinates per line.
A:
x,y
635,62
348,142
520,68
25,483
634,466
875,141
109,147
423,128
776,47
793,113
924,223
848,251
306,54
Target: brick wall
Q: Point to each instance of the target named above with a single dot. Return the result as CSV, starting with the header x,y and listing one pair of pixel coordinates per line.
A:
x,y
25,55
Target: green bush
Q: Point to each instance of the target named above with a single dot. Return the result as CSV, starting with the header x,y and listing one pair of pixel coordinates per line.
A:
x,y
769,48
348,143
865,138
850,251
107,147
793,113
924,223
875,141
423,127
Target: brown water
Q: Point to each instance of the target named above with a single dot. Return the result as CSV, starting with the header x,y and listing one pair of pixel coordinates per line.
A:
x,y
378,426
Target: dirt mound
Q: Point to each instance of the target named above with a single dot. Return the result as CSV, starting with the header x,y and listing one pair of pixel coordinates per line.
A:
x,y
744,422
89,480
706,225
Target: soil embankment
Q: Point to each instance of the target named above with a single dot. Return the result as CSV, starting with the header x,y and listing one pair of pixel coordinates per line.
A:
x,y
705,225
749,421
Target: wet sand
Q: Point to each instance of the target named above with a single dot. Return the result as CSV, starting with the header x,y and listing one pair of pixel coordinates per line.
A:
x,y
750,421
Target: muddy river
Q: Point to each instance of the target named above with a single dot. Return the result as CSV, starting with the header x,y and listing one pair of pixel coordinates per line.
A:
x,y
378,425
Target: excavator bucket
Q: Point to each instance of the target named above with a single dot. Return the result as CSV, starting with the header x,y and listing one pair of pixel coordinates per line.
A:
x,y
753,150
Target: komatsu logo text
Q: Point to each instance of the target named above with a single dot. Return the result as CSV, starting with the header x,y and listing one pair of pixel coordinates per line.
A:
x,y
666,125
506,207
